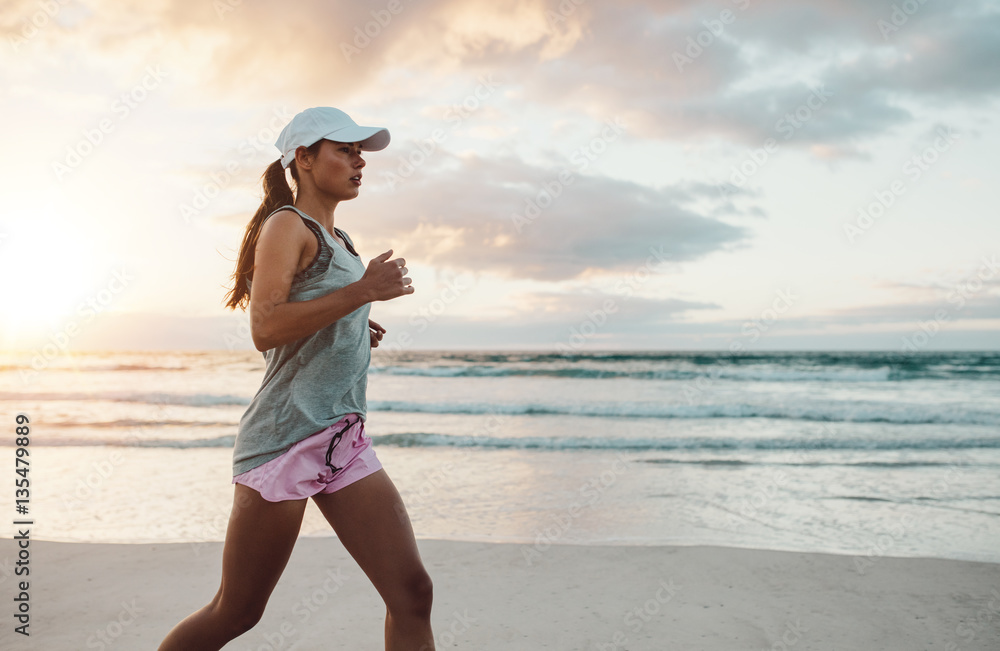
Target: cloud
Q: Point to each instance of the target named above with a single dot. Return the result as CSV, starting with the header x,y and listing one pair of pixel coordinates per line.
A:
x,y
228,51
517,220
742,81
569,307
597,59
976,308
766,63
908,315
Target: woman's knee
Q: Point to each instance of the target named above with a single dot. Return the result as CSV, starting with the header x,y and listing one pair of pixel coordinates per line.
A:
x,y
419,594
237,620
412,597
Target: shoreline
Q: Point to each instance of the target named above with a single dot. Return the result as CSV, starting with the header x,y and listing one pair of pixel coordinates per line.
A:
x,y
506,595
560,543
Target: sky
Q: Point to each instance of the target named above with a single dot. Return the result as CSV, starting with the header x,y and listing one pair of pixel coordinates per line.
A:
x,y
563,175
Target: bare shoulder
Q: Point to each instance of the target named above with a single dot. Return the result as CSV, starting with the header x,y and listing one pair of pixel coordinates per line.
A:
x,y
284,224
285,243
285,231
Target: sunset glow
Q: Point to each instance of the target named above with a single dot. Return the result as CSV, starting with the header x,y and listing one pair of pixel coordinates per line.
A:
x,y
542,150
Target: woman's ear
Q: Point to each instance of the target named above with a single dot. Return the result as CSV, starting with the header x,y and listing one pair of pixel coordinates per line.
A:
x,y
303,157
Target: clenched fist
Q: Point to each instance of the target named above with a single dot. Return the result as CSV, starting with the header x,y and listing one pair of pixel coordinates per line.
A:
x,y
386,279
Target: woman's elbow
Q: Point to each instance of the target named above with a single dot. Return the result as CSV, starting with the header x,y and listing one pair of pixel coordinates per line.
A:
x,y
261,327
262,339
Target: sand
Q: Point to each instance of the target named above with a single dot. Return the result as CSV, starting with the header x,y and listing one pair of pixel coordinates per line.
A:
x,y
513,596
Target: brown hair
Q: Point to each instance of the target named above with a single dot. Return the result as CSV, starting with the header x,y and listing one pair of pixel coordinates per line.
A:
x,y
277,193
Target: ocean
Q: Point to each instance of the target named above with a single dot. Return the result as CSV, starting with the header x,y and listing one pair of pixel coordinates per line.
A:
x,y
866,454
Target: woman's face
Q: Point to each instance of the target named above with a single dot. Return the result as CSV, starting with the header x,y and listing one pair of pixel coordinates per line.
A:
x,y
337,169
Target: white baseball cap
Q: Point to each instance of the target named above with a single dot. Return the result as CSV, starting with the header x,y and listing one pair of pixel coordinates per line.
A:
x,y
314,124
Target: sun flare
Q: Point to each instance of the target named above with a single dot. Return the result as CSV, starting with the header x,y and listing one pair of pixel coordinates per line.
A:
x,y
46,268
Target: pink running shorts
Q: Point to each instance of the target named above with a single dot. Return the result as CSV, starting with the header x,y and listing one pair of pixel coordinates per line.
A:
x,y
324,462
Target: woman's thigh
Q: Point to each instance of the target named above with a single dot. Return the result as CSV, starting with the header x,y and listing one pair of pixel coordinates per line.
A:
x,y
371,522
259,542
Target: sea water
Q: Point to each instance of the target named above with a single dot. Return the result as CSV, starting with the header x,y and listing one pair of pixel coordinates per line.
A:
x,y
862,453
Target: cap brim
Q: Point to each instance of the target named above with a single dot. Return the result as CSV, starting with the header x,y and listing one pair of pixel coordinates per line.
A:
x,y
371,138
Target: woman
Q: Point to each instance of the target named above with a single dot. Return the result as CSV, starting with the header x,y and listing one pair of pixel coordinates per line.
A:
x,y
303,434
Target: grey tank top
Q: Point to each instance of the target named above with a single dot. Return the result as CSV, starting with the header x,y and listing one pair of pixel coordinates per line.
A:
x,y
311,383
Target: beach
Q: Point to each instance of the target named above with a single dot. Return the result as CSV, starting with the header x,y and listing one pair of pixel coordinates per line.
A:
x,y
568,501
490,596
683,324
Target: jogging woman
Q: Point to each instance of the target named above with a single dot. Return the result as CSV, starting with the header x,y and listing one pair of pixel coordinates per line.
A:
x,y
303,434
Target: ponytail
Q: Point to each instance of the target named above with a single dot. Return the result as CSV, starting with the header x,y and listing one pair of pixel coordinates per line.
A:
x,y
277,193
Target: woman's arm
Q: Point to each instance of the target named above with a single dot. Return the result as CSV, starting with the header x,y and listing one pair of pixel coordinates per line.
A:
x,y
275,321
376,332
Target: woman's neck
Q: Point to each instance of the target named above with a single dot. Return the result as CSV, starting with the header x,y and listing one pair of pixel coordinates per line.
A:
x,y
321,211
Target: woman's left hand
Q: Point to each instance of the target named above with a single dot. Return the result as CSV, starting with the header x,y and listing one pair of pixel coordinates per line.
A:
x,y
376,331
